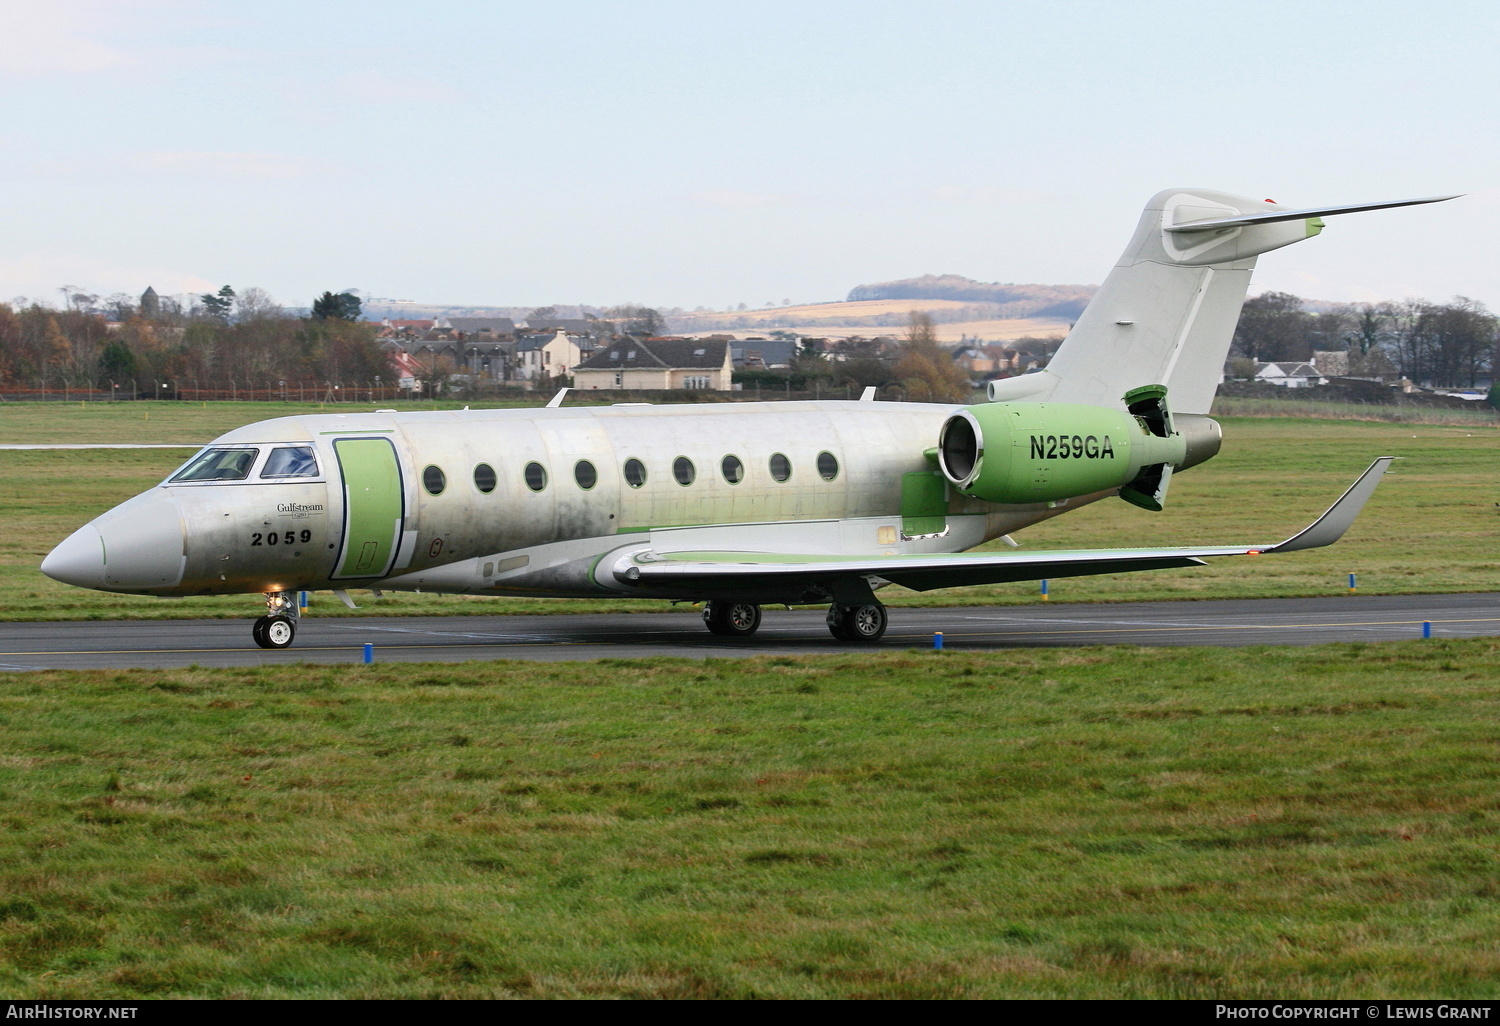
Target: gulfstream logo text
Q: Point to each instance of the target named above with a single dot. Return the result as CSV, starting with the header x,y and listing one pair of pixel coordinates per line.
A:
x,y
297,507
1071,447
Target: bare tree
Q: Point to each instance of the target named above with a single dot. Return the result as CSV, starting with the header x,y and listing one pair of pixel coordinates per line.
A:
x,y
255,304
925,368
1370,330
119,307
1448,345
77,300
1273,327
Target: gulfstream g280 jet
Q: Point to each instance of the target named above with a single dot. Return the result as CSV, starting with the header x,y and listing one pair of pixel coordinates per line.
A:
x,y
734,505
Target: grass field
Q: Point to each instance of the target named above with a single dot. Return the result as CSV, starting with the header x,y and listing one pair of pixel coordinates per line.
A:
x,y
1299,822
1433,526
1093,822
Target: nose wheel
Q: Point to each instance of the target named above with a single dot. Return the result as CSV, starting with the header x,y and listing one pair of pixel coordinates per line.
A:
x,y
274,631
278,628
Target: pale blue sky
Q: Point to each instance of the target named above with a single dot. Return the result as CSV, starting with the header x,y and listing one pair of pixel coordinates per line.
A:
x,y
706,153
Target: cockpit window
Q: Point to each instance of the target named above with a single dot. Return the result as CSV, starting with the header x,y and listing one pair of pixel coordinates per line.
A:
x,y
294,461
217,465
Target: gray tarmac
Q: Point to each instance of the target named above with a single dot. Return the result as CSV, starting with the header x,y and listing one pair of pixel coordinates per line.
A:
x,y
122,644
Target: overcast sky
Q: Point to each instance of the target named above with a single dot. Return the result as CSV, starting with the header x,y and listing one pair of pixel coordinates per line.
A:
x,y
712,153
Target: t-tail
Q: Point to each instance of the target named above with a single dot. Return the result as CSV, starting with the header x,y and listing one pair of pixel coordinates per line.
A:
x,y
1166,313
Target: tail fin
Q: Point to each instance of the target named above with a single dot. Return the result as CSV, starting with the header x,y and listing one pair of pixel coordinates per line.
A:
x,y
1166,313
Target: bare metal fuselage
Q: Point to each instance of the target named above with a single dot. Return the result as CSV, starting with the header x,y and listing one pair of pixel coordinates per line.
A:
x,y
257,535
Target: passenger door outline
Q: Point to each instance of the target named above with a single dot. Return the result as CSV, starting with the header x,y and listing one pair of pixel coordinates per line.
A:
x,y
374,507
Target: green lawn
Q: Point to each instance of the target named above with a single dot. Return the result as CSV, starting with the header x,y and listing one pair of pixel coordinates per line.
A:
x,y
1094,822
1294,822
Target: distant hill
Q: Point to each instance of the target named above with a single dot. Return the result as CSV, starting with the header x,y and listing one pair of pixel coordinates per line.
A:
x,y
954,320
1064,301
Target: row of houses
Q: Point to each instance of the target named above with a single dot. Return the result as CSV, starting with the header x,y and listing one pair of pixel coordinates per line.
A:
x,y
538,360
496,350
1374,366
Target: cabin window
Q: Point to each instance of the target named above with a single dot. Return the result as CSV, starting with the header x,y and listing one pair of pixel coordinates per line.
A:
x,y
434,480
484,478
734,470
682,470
781,467
635,473
828,466
585,474
218,465
291,461
536,476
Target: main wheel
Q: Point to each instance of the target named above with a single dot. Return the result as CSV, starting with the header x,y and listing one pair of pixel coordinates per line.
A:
x,y
274,631
732,619
864,624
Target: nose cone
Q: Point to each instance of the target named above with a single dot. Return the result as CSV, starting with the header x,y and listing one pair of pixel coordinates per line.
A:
x,y
137,546
78,560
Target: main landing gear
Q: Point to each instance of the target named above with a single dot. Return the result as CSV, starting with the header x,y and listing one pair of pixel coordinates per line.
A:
x,y
278,627
864,624
732,619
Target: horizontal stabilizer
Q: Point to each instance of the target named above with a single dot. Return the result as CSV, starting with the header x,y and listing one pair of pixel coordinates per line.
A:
x,y
727,571
1273,216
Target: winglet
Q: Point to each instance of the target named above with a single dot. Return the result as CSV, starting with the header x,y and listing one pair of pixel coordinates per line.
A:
x,y
1330,527
556,400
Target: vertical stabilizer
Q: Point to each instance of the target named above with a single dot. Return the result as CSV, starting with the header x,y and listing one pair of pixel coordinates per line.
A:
x,y
1166,313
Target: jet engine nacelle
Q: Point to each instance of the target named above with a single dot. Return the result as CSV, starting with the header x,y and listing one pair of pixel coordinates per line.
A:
x,y
1042,452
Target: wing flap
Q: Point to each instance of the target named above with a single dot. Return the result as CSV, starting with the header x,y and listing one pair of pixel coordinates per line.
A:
x,y
924,572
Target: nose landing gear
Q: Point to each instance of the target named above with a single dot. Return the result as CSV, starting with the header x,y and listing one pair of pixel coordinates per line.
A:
x,y
278,627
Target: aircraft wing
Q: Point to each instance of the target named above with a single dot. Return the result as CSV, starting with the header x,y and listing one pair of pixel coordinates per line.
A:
x,y
924,572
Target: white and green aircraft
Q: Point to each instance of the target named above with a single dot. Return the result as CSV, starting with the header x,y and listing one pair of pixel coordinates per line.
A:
x,y
736,505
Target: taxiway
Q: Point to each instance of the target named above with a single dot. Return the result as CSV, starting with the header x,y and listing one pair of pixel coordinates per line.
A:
x,y
329,639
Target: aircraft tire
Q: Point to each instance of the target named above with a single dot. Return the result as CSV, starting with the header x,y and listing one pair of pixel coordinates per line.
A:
x,y
274,631
732,619
863,625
